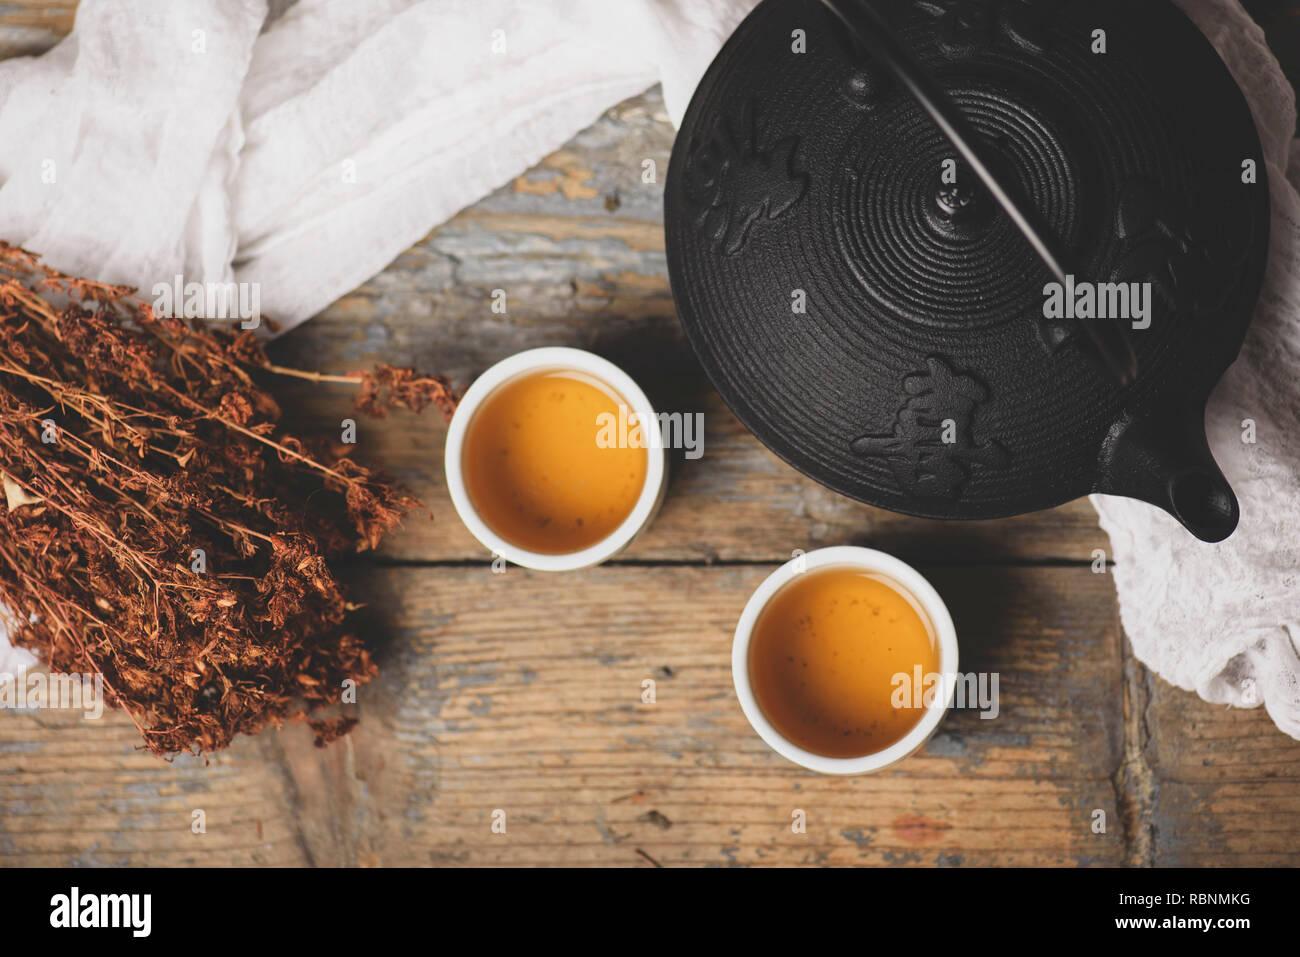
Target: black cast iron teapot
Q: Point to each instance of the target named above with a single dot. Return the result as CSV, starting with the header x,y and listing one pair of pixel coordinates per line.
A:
x,y
972,258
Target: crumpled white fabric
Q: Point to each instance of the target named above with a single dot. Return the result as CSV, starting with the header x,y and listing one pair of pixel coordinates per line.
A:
x,y
181,138
189,137
13,660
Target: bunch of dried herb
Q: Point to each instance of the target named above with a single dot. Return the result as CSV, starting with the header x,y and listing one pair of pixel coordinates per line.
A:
x,y
160,530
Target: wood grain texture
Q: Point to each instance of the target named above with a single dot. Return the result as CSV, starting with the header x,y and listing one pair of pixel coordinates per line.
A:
x,y
1227,784
30,27
75,792
522,692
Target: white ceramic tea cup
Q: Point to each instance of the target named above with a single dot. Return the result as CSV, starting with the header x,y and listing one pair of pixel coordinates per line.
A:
x,y
539,360
910,581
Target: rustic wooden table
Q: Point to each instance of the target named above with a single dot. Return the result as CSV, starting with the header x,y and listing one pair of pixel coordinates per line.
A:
x,y
522,692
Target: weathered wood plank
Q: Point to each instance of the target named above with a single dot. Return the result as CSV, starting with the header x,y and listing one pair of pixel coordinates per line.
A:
x,y
522,692
1232,824
1202,743
1226,783
53,18
81,793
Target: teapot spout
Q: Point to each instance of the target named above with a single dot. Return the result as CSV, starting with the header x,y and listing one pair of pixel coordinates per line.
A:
x,y
1166,460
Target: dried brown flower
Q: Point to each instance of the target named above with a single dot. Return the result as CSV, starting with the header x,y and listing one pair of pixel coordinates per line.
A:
x,y
384,387
158,527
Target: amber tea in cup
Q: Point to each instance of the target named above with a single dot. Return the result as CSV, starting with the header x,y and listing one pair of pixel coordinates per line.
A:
x,y
537,470
824,656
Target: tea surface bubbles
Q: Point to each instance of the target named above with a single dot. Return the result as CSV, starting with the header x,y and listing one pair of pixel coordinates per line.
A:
x,y
824,656
535,468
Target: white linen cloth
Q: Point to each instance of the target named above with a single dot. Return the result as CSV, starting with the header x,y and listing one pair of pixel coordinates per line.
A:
x,y
192,137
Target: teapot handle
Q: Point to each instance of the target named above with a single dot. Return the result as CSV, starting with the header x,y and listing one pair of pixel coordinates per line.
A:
x,y
875,37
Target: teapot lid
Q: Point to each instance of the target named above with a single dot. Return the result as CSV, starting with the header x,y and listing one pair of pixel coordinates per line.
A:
x,y
874,316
